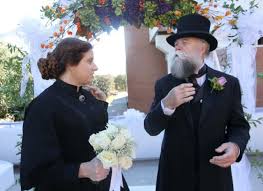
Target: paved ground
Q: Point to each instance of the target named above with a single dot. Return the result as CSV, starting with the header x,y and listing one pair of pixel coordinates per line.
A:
x,y
118,105
142,177
144,173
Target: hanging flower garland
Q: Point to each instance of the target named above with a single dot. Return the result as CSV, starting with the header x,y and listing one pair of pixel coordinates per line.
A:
x,y
92,17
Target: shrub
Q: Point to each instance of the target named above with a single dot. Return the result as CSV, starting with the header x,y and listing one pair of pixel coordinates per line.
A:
x,y
12,106
120,82
105,83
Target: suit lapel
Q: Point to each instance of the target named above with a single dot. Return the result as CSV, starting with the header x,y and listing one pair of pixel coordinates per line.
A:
x,y
207,100
173,82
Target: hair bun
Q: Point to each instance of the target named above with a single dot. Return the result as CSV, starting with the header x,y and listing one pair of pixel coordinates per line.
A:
x,y
48,67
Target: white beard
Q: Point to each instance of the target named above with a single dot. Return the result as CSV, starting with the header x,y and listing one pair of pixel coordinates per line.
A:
x,y
183,65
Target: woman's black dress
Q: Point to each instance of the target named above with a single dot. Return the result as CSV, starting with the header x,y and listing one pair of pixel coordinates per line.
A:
x,y
56,133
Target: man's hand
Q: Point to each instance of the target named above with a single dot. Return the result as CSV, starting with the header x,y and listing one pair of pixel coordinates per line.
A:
x,y
179,95
231,152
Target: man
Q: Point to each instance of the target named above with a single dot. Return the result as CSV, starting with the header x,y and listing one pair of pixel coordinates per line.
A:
x,y
205,131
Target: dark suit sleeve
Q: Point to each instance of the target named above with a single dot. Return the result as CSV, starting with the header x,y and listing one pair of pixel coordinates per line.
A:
x,y
41,157
238,127
156,121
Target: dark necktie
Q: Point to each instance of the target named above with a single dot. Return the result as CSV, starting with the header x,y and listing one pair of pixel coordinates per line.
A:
x,y
192,78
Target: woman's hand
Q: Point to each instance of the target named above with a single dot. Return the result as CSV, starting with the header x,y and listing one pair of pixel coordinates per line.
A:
x,y
93,170
96,92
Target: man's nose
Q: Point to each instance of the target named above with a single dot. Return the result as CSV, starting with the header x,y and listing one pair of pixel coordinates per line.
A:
x,y
177,47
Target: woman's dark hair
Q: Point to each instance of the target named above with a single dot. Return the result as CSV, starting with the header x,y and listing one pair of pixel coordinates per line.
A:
x,y
69,51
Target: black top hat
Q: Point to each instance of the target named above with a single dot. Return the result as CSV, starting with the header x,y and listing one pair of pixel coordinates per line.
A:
x,y
193,25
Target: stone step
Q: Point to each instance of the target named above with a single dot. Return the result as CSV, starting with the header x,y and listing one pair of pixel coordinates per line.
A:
x,y
7,177
142,188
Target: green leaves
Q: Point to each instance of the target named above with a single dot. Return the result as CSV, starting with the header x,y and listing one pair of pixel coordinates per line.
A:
x,y
90,19
118,6
150,18
11,104
254,122
260,75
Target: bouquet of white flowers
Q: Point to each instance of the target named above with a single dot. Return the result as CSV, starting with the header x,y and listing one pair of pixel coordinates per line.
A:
x,y
115,148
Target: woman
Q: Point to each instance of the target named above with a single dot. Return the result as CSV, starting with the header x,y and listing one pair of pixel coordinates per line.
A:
x,y
56,154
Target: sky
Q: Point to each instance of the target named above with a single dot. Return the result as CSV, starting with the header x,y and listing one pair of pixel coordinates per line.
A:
x,y
109,51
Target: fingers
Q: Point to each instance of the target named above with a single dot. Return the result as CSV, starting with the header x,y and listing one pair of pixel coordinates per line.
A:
x,y
186,94
96,92
225,160
222,148
185,85
99,172
222,161
102,175
187,99
180,94
89,87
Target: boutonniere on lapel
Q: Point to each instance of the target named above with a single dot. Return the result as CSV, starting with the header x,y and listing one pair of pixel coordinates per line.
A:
x,y
217,84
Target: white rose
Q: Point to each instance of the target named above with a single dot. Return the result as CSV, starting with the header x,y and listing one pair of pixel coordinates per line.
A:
x,y
126,133
92,141
112,130
118,142
125,162
108,159
100,140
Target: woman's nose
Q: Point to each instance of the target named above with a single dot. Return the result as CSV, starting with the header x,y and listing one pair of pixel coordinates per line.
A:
x,y
95,67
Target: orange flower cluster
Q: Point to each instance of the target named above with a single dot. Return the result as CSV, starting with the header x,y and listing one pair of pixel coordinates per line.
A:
x,y
228,13
178,13
198,7
204,11
69,33
62,29
157,23
141,5
216,27
78,26
233,22
89,35
107,20
62,10
102,2
47,46
208,10
218,18
169,30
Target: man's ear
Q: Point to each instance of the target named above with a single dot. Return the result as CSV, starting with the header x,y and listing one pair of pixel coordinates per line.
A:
x,y
204,48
